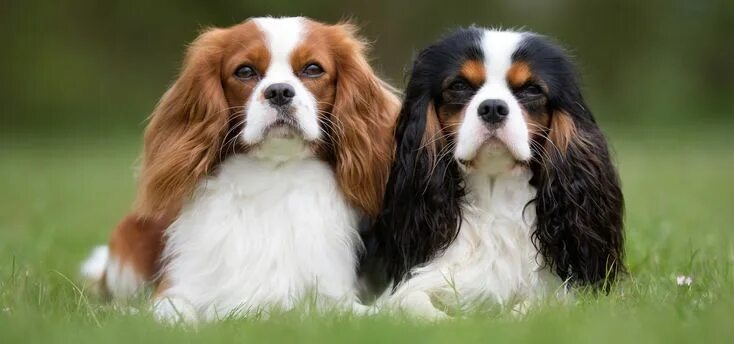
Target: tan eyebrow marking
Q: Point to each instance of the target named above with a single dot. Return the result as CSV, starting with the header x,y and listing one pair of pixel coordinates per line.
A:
x,y
474,72
518,74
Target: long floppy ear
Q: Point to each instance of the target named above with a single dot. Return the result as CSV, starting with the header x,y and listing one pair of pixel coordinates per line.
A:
x,y
186,130
579,204
421,209
364,115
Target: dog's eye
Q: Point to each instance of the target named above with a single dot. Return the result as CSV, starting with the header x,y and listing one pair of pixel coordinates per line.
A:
x,y
529,90
459,85
533,89
245,73
312,70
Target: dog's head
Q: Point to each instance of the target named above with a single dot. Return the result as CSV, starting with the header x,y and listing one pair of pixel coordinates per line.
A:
x,y
487,102
276,88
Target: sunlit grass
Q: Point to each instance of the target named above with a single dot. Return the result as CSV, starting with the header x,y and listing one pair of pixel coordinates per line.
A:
x,y
61,197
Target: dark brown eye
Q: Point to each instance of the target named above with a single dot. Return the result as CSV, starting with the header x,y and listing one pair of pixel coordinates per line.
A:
x,y
529,90
312,70
533,89
459,85
245,73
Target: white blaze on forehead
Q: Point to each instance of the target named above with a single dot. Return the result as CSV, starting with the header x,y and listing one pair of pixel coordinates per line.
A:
x,y
497,48
282,36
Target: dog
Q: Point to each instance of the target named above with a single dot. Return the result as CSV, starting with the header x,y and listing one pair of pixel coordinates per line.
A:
x,y
259,165
502,190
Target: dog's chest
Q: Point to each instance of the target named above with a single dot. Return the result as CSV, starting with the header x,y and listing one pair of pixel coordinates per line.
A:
x,y
493,258
262,235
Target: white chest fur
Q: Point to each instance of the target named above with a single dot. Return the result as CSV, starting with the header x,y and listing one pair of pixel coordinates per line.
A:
x,y
263,234
493,259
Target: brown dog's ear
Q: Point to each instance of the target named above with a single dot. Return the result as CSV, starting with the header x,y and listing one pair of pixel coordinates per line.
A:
x,y
183,139
364,112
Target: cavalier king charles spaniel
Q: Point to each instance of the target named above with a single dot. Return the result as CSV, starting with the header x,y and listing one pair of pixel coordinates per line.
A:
x,y
260,163
502,189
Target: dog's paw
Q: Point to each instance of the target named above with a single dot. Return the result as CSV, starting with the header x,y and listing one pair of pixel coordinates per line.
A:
x,y
172,310
418,306
359,309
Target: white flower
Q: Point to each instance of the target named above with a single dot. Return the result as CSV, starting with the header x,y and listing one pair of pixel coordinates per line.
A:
x,y
683,280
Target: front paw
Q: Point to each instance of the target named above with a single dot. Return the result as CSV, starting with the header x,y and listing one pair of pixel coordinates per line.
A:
x,y
418,306
361,310
173,310
432,315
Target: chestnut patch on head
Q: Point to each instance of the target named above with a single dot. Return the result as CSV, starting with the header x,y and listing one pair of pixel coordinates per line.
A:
x,y
246,47
356,110
315,49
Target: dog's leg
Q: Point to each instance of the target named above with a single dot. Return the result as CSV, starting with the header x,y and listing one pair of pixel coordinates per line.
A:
x,y
130,260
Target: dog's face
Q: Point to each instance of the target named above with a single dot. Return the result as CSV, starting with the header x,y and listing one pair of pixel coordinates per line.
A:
x,y
283,79
491,94
275,88
482,105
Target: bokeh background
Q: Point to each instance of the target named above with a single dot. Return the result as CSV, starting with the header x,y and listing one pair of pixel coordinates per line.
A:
x,y
98,67
78,79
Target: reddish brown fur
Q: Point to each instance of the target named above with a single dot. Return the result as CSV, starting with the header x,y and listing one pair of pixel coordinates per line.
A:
x,y
518,74
187,134
137,243
363,115
563,131
432,136
474,72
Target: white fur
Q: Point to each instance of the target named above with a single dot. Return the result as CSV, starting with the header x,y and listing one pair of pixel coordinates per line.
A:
x,y
498,47
262,234
283,35
121,280
271,229
493,259
94,266
101,270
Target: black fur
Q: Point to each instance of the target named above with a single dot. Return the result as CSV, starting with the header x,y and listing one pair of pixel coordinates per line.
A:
x,y
422,205
579,204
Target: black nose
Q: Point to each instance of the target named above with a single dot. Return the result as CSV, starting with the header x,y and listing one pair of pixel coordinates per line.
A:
x,y
493,110
279,94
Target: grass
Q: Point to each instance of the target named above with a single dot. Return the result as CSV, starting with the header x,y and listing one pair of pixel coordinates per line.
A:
x,y
62,195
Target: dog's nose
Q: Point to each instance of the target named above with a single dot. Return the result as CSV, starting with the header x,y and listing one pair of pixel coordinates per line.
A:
x,y
279,94
493,111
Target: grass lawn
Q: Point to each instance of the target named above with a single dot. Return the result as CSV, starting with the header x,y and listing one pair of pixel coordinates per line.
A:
x,y
61,196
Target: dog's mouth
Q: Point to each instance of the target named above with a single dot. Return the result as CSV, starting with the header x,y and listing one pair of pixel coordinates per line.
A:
x,y
285,126
493,154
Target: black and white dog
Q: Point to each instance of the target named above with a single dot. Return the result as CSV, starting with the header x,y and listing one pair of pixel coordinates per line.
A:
x,y
502,189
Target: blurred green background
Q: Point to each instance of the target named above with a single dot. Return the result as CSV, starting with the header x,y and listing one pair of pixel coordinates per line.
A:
x,y
97,67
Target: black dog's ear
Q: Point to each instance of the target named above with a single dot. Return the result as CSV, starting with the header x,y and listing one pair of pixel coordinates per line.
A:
x,y
579,203
421,208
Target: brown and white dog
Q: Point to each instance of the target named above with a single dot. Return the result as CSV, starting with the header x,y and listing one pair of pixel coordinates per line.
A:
x,y
259,163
